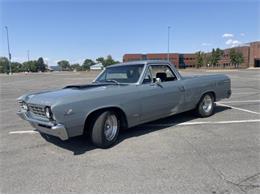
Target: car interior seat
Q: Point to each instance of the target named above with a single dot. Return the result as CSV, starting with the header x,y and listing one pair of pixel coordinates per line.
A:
x,y
162,76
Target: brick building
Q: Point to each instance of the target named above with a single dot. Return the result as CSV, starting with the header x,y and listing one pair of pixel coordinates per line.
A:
x,y
251,54
254,54
225,60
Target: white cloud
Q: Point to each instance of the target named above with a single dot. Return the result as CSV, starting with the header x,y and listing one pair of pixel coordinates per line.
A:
x,y
233,43
236,42
242,34
206,44
229,41
227,35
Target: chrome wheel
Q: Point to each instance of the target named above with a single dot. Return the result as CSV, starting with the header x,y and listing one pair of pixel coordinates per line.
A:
x,y
111,127
207,103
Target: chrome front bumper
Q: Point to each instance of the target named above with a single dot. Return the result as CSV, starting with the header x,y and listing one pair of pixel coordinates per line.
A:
x,y
50,128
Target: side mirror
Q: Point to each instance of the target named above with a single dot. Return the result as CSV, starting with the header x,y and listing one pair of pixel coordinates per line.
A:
x,y
158,81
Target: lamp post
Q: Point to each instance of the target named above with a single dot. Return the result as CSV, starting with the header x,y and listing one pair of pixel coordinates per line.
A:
x,y
168,43
28,55
9,53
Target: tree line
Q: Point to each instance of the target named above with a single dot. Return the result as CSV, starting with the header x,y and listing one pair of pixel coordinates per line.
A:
x,y
40,66
205,59
66,66
28,66
202,59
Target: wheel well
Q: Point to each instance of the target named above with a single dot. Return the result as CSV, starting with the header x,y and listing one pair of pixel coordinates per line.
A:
x,y
210,92
91,117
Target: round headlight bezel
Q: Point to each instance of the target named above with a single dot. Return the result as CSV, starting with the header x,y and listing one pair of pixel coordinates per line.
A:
x,y
24,106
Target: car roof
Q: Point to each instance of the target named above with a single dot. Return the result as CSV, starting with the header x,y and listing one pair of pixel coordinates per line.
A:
x,y
141,62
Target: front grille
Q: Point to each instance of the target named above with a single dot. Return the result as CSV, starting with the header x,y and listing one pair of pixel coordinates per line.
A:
x,y
37,110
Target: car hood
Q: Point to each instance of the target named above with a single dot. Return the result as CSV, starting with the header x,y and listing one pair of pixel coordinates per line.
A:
x,y
68,93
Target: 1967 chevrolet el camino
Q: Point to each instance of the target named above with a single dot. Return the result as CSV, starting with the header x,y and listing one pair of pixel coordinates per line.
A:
x,y
122,96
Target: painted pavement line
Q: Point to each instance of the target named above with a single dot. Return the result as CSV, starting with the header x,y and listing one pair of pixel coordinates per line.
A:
x,y
171,124
240,93
23,132
236,108
206,123
240,101
219,122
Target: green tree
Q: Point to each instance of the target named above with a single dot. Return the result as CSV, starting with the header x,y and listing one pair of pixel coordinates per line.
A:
x,y
109,61
30,66
26,67
212,57
40,65
4,65
106,61
87,63
236,58
100,60
64,64
76,67
206,59
216,56
16,67
199,59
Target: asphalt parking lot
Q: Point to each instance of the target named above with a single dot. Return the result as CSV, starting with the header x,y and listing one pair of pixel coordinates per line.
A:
x,y
179,154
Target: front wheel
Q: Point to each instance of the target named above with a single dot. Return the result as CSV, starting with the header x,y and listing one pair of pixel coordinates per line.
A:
x,y
206,105
105,129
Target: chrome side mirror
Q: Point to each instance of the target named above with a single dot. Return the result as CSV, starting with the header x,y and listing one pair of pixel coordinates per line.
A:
x,y
158,81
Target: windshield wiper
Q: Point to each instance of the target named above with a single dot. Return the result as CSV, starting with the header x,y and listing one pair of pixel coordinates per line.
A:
x,y
111,80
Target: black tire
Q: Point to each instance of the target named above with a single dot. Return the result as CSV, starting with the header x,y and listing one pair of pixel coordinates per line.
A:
x,y
206,105
101,135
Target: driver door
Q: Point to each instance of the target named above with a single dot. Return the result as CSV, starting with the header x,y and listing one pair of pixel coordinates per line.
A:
x,y
162,98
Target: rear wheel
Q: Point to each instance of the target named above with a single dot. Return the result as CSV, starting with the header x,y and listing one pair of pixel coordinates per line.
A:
x,y
206,105
105,129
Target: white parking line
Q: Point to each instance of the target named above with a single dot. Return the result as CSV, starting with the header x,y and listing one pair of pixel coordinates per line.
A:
x,y
205,123
219,122
236,108
170,124
240,93
23,132
241,101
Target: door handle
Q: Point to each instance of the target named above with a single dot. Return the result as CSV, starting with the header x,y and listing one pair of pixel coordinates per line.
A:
x,y
181,88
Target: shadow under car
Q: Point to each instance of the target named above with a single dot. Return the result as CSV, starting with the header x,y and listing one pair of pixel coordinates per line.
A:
x,y
81,144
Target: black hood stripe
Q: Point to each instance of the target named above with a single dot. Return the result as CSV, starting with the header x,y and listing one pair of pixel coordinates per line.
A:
x,y
86,86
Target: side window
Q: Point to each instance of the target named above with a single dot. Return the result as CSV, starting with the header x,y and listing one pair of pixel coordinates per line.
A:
x,y
148,77
163,72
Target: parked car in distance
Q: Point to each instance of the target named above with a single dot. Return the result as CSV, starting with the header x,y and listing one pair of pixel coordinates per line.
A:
x,y
122,96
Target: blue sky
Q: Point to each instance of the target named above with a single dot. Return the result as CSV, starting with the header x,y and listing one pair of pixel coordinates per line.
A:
x,y
75,30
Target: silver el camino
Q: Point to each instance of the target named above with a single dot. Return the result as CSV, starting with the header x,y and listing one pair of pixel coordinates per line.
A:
x,y
122,96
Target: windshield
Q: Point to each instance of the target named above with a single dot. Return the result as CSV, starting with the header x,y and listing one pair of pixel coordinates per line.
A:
x,y
121,74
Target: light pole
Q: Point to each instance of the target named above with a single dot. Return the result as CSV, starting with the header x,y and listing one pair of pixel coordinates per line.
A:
x,y
9,53
169,43
28,55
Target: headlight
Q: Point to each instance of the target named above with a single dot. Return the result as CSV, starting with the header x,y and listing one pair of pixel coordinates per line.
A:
x,y
24,106
48,112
